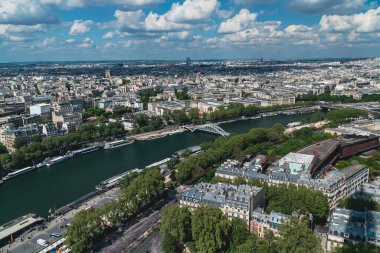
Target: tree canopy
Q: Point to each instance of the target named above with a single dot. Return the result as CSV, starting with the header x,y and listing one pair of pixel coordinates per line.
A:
x,y
210,229
296,237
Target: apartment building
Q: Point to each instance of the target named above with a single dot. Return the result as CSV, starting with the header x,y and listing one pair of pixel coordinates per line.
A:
x,y
350,225
235,201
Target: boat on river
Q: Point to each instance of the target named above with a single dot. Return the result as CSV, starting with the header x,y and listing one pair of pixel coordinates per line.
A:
x,y
57,159
18,172
83,151
117,144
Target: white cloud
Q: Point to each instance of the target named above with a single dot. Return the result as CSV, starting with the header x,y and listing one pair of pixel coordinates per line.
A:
x,y
301,34
130,21
15,38
70,41
18,33
87,43
175,36
224,14
243,20
83,3
133,43
49,41
4,29
108,35
191,14
80,27
250,2
109,44
328,6
25,12
192,11
297,29
363,22
157,23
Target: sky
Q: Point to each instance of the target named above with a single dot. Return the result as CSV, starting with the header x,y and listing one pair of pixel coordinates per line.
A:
x,y
81,30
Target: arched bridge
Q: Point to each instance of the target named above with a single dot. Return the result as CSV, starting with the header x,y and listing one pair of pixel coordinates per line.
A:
x,y
211,128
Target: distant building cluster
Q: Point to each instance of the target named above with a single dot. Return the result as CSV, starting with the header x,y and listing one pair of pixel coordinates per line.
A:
x,y
58,94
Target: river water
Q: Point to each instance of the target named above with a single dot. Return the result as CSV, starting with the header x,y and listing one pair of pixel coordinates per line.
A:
x,y
55,186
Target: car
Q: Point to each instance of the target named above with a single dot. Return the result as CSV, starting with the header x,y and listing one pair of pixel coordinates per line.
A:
x,y
56,235
42,242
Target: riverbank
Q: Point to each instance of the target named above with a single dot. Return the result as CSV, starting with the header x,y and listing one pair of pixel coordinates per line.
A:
x,y
51,188
157,134
176,129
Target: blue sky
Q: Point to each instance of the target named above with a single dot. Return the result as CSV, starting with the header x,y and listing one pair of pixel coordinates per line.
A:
x,y
54,30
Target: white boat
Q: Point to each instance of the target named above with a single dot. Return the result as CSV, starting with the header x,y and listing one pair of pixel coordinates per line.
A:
x,y
116,144
158,163
56,160
85,150
18,172
40,165
176,132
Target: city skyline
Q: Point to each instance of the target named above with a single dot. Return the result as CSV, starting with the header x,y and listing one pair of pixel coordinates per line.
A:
x,y
78,30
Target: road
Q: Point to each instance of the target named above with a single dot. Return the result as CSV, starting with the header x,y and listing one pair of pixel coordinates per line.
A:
x,y
27,243
151,244
131,237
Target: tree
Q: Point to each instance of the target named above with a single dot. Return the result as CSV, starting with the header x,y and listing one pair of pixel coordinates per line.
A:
x,y
84,231
3,149
182,95
172,163
239,232
343,115
286,199
176,221
180,117
140,120
19,142
169,244
249,246
239,181
210,229
296,237
358,247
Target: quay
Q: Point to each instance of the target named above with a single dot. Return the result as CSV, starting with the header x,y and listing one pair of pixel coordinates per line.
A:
x,y
14,228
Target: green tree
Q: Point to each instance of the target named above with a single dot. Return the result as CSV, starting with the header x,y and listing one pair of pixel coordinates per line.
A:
x,y
169,244
177,221
296,237
182,95
19,142
84,231
239,233
176,224
358,247
180,117
210,229
172,163
343,115
249,246
3,149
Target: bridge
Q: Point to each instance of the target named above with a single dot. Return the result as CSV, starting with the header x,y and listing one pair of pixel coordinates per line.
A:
x,y
210,128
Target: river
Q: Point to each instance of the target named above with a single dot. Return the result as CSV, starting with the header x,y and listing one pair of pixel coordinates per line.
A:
x,y
55,186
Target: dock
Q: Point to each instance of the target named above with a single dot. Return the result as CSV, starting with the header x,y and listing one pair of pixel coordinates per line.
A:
x,y
13,228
